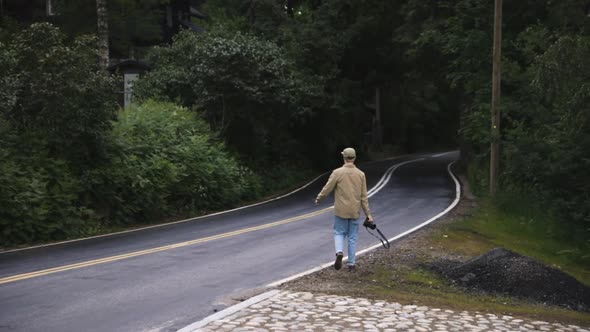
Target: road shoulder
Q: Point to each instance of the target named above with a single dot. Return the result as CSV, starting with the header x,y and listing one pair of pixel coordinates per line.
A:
x,y
403,275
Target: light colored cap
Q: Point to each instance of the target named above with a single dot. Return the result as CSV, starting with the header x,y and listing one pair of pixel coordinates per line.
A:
x,y
349,153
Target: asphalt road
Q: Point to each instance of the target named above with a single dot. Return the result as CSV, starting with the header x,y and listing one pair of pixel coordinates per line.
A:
x,y
165,278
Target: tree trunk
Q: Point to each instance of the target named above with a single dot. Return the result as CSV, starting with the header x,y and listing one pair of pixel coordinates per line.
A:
x,y
496,84
252,12
377,130
102,24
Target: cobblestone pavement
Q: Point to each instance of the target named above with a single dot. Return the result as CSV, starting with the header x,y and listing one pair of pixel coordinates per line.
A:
x,y
297,311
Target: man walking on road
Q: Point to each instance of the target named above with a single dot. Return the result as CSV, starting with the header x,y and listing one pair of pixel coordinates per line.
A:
x,y
350,194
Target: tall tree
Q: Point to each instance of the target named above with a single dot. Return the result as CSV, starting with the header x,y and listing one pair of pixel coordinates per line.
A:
x,y
245,87
102,23
496,88
54,90
132,25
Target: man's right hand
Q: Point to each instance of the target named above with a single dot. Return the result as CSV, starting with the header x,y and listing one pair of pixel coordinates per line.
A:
x,y
317,202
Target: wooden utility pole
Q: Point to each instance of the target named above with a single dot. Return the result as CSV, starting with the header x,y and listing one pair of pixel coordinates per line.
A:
x,y
102,24
496,80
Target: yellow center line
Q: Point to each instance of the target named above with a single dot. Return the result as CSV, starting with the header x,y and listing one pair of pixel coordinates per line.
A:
x,y
158,249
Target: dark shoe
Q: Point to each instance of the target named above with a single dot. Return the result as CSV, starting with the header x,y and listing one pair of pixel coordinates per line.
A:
x,y
338,262
351,268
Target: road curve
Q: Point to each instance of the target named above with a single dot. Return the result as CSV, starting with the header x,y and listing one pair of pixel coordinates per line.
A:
x,y
164,278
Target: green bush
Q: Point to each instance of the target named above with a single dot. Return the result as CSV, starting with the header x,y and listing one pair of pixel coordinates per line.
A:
x,y
56,108
163,162
54,88
160,161
244,86
547,150
38,194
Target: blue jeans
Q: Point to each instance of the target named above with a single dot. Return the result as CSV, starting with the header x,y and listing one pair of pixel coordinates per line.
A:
x,y
346,228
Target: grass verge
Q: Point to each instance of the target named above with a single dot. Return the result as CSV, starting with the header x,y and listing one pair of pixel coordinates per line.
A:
x,y
519,225
399,274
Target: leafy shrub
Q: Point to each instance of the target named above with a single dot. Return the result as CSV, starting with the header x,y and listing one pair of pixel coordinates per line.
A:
x,y
244,86
38,194
56,108
55,88
548,150
164,162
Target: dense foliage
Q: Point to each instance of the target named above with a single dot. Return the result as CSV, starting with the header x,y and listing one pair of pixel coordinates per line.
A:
x,y
39,194
432,61
56,110
69,166
164,162
547,147
54,90
244,87
544,92
285,85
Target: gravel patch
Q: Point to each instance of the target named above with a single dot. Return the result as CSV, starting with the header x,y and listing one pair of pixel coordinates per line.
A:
x,y
504,272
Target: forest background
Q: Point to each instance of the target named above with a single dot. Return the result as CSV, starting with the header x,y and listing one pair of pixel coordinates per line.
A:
x,y
270,93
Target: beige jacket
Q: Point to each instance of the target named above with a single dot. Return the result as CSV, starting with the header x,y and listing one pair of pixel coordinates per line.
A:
x,y
350,192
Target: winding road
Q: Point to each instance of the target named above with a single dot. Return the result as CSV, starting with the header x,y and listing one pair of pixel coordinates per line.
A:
x,y
164,278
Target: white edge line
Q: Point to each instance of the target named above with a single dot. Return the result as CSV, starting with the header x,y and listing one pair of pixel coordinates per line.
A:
x,y
167,224
323,266
229,311
449,208
387,176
